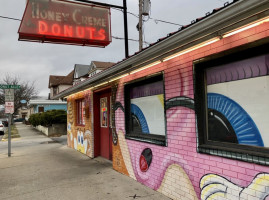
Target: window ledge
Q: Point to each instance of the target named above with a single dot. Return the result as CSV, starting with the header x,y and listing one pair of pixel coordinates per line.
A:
x,y
147,140
237,154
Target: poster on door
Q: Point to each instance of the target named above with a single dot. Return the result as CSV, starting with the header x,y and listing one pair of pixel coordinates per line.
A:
x,y
103,111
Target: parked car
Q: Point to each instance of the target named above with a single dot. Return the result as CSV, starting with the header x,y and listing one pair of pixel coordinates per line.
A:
x,y
2,128
18,119
5,122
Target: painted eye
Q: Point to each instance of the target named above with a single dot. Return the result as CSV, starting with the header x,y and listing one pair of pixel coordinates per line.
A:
x,y
139,121
229,122
81,139
78,138
219,128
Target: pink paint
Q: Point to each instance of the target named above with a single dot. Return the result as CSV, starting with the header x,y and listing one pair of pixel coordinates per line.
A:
x,y
181,128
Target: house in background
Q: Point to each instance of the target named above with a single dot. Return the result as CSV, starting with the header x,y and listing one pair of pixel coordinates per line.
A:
x,y
37,106
97,66
58,84
80,73
25,111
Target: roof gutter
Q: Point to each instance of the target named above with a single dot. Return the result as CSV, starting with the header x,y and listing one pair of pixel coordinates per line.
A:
x,y
238,14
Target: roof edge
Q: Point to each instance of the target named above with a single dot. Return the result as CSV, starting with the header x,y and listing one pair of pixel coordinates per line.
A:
x,y
225,19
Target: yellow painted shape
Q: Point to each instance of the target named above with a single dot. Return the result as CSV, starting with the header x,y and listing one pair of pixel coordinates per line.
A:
x,y
176,184
160,97
205,178
216,195
126,154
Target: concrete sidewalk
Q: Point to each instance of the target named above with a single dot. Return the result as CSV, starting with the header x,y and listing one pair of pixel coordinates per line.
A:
x,y
45,168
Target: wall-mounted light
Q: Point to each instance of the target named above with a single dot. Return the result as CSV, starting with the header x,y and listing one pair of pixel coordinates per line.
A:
x,y
111,80
192,48
78,92
101,84
87,89
264,20
147,66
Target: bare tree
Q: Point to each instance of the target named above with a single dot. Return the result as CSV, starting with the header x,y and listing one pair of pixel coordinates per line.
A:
x,y
26,91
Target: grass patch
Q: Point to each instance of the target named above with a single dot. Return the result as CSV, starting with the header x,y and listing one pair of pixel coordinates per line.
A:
x,y
14,133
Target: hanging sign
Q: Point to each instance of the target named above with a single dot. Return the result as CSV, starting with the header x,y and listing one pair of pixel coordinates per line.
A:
x,y
60,21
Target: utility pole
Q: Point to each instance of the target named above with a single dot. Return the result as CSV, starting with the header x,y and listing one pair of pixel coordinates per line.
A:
x,y
140,26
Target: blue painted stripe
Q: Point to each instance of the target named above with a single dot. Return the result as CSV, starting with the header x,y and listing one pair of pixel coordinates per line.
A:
x,y
140,116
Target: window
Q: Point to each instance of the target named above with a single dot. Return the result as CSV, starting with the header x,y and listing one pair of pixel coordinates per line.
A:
x,y
54,91
80,104
145,113
231,100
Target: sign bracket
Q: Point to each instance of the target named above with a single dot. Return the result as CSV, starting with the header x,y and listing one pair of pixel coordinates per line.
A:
x,y
124,8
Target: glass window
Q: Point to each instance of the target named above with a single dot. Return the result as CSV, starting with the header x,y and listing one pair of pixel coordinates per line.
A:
x,y
55,91
145,113
80,111
231,97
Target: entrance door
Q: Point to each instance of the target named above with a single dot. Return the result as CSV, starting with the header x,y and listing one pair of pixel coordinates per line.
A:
x,y
103,123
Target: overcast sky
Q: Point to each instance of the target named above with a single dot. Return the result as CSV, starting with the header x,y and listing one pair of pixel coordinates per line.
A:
x,y
36,61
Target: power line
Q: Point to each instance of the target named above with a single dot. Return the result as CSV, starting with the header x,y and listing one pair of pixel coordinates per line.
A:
x,y
10,18
156,20
119,38
115,37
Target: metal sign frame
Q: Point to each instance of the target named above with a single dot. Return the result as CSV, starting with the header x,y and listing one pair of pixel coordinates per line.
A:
x,y
66,22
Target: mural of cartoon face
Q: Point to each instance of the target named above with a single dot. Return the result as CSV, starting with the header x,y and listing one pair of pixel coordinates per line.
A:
x,y
80,143
179,162
69,128
165,163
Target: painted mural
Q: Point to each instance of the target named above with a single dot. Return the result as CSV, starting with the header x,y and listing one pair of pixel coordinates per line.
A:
x,y
118,153
80,137
237,96
218,187
147,108
177,170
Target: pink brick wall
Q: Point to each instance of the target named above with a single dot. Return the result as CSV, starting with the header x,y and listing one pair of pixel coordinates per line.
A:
x,y
180,156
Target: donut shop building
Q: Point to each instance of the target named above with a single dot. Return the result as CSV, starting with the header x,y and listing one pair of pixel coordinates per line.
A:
x,y
188,115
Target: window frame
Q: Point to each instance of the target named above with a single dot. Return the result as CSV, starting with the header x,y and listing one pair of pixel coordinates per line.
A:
x,y
147,138
80,110
247,153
